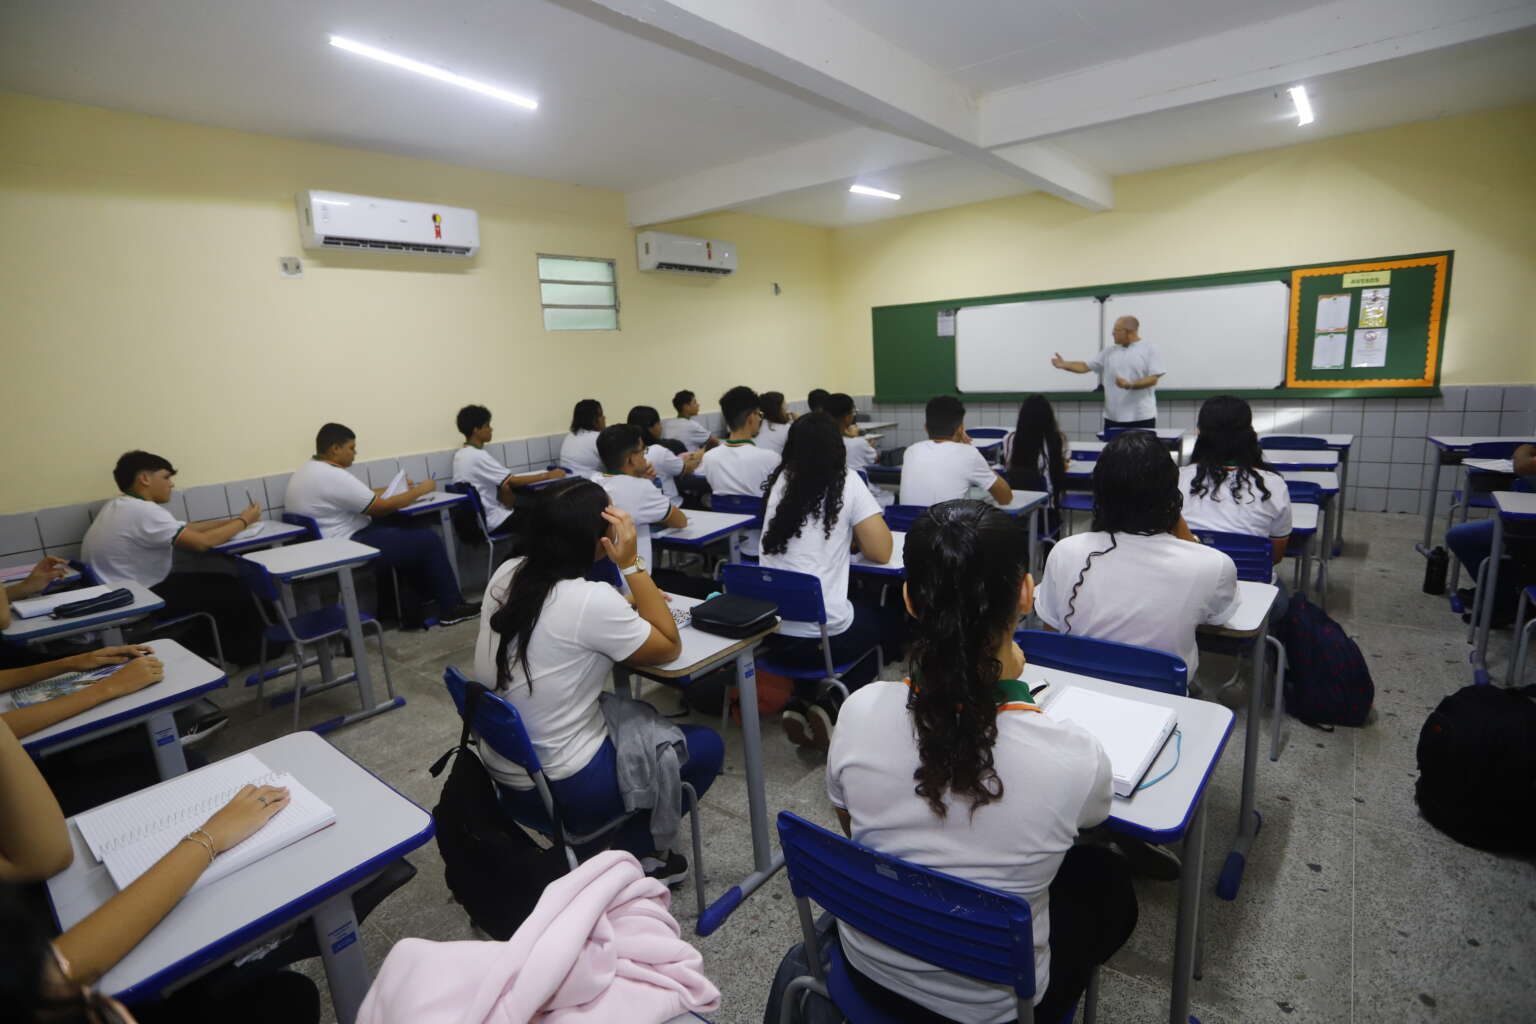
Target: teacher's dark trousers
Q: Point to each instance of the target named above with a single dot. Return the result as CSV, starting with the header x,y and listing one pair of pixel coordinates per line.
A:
x,y
1130,424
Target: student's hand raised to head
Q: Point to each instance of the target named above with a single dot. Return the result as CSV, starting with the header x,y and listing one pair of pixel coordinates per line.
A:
x,y
650,470
133,677
620,543
107,656
243,816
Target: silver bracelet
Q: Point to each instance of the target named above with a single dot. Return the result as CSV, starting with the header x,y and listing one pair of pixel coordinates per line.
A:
x,y
203,839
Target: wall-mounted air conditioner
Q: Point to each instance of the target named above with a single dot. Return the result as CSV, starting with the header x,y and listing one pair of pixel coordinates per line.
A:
x,y
337,220
657,250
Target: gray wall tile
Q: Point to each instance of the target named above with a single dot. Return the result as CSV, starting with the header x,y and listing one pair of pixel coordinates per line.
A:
x,y
235,491
206,502
1515,422
1403,501
516,453
1373,449
1377,422
1480,422
415,467
277,489
440,467
1317,421
1369,474
63,525
359,473
1409,451
69,551
1406,475
379,472
1484,398
1411,423
19,533
1447,422
1348,421
177,506
1518,397
1371,499
1453,397
538,450
1412,405
29,557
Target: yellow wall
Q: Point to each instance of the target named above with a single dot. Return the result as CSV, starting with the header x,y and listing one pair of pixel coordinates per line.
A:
x,y
143,306
1463,183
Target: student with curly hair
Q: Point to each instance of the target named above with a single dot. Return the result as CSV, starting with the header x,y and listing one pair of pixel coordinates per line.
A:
x,y
1228,486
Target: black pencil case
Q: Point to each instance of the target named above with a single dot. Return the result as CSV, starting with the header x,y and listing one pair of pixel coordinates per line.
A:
x,y
92,605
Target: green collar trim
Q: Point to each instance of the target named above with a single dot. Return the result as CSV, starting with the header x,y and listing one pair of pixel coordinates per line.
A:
x,y
738,444
135,497
1006,692
471,444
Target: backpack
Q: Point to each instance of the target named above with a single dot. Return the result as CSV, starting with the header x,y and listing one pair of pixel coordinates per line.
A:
x,y
812,1008
1477,768
493,868
1326,680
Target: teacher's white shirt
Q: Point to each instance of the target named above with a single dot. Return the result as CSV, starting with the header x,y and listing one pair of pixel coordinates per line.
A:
x,y
1133,362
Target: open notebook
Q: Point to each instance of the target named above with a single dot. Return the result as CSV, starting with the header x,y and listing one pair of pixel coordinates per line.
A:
x,y
58,686
1130,731
131,834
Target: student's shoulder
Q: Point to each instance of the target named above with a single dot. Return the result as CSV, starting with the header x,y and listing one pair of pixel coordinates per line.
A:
x,y
874,700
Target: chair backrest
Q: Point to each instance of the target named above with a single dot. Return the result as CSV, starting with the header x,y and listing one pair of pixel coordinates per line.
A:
x,y
88,575
1252,555
1305,491
604,571
261,582
737,504
1294,442
987,433
901,517
797,594
496,722
308,522
946,921
469,492
1105,659
1494,449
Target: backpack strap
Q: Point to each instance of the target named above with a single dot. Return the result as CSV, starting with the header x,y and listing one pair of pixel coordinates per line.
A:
x,y
472,694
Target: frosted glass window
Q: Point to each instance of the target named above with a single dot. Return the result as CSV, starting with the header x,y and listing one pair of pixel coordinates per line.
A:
x,y
578,293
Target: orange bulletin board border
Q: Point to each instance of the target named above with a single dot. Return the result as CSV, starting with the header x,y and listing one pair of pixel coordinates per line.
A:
x,y
1434,329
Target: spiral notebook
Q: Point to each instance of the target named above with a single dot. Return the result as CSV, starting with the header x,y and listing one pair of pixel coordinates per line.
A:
x,y
131,834
1130,731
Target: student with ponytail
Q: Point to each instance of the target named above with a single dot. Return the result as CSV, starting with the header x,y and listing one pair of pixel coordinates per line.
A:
x,y
1228,486
957,770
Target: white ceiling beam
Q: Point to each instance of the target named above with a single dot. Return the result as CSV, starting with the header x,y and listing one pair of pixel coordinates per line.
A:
x,y
1317,41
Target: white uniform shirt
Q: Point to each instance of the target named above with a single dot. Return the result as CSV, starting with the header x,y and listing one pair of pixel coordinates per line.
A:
x,y
331,496
740,468
1149,591
479,468
861,454
643,500
1253,514
824,557
694,435
669,466
772,436
1133,362
130,541
1056,781
584,628
935,471
578,453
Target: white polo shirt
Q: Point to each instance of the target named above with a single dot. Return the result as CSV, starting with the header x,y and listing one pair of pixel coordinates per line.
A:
x,y
1056,781
130,541
578,453
669,466
693,434
826,558
772,436
1133,362
861,454
935,471
331,496
478,468
1147,591
739,467
644,502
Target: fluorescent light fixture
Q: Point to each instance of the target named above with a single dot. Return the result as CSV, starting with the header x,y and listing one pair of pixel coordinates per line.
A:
x,y
1303,105
384,56
865,190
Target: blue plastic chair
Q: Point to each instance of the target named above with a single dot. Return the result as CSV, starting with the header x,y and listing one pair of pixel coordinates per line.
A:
x,y
799,599
309,628
988,433
1105,659
313,526
1294,442
1110,433
1304,491
1252,555
492,537
942,920
498,725
901,517
738,504
1482,498
133,634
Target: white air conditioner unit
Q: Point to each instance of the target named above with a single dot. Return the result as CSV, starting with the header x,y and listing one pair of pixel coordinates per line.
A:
x,y
657,250
337,220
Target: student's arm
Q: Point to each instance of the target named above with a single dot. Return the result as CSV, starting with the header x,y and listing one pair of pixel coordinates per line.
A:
x,y
34,841
1277,549
1071,365
663,643
846,820
382,506
1000,491
43,573
136,675
1181,530
95,945
691,461
1140,383
206,535
506,491
11,678
874,539
1525,460
675,517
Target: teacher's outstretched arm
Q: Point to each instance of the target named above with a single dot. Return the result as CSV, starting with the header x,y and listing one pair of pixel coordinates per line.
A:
x,y
1071,365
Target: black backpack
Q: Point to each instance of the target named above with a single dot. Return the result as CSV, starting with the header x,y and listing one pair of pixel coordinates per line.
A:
x,y
492,867
1477,768
1326,678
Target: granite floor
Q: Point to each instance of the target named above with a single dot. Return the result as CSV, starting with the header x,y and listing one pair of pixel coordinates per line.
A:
x,y
1353,908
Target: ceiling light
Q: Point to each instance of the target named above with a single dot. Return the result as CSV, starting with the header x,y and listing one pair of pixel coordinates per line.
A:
x,y
362,49
1303,105
865,190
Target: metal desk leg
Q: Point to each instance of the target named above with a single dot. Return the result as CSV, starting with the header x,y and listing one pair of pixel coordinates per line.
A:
x,y
112,636
165,742
733,544
371,706
622,685
346,968
1338,543
1429,514
1034,540
1324,530
445,523
1189,916
1486,600
1249,821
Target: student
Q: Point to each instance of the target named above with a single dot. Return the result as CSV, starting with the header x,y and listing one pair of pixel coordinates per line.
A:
x,y
776,421
861,452
140,669
946,466
1228,486
683,427
816,507
47,569
578,452
738,466
1002,792
549,639
1139,577
131,541
1130,369
1036,452
1472,542
628,478
347,508
668,463
815,400
475,466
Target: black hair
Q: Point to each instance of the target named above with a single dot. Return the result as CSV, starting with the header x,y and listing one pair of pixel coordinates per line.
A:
x,y
736,405
943,415
131,464
965,562
1036,432
838,405
615,443
568,522
1227,448
815,399
1135,491
772,403
681,399
24,952
645,418
586,414
331,435
814,467
471,418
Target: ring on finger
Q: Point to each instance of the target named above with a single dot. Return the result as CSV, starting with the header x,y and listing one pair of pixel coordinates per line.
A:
x,y
262,800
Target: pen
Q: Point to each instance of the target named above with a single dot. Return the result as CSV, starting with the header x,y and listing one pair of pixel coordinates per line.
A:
x,y
1039,689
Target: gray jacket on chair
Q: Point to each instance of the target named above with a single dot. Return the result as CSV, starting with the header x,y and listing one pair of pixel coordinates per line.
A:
x,y
650,752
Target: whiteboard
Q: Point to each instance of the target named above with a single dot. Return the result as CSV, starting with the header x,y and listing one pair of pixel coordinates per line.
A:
x,y
1227,337
1008,346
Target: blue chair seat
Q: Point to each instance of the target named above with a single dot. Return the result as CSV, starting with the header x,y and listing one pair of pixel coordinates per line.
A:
x,y
773,657
1480,499
1077,501
308,626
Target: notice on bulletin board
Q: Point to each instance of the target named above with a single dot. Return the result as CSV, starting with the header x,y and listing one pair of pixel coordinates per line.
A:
x,y
1328,350
947,323
1373,307
1332,313
1370,348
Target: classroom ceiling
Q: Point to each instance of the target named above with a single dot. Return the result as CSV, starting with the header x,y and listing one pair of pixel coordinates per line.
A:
x,y
692,106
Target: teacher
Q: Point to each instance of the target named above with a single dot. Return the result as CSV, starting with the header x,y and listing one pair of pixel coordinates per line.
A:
x,y
1130,369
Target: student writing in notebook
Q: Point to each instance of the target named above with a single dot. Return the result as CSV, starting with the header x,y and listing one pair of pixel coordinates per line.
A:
x,y
738,466
140,668
694,435
671,459
1228,487
494,483
860,451
578,452
1001,792
946,466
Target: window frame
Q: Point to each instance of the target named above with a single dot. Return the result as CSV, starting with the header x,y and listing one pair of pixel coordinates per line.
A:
x,y
613,266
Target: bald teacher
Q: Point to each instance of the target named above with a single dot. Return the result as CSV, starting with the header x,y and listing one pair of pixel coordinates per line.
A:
x,y
1130,370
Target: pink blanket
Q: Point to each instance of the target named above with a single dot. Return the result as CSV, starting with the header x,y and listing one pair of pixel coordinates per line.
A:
x,y
600,946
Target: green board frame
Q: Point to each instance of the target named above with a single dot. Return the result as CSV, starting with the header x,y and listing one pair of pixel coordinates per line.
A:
x,y
912,364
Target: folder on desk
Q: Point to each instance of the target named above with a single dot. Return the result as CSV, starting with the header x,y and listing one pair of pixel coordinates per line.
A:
x,y
1130,731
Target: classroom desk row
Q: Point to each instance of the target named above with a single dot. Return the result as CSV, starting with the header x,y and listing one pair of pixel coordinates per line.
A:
x,y
1452,450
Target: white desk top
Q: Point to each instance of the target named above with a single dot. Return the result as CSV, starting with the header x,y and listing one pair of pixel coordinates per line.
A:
x,y
1331,440
1460,442
865,428
1326,480
1162,810
1303,518
431,502
1084,467
38,627
1326,458
374,825
1505,466
704,526
1023,501
1515,504
312,556
186,676
700,649
1254,601
271,532
897,566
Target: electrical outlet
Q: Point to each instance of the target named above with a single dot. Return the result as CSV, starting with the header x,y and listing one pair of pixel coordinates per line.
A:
x,y
290,266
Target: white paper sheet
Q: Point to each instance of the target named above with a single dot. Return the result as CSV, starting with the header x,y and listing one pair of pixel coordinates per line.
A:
x,y
1370,348
946,323
1332,313
396,485
1328,350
